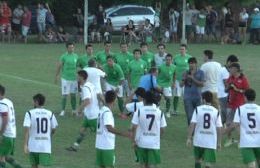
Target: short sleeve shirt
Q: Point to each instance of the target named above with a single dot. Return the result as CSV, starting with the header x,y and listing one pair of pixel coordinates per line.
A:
x,y
114,74
123,59
165,76
41,15
137,68
148,58
69,66
181,63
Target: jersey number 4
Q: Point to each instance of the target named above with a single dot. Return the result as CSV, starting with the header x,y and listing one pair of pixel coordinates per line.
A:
x,y
42,125
151,117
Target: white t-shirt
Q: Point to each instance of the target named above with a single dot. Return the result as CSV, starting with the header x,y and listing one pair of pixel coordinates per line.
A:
x,y
223,75
249,120
6,105
149,120
207,119
88,92
244,16
94,75
40,122
174,18
17,15
159,60
211,71
41,15
104,139
134,106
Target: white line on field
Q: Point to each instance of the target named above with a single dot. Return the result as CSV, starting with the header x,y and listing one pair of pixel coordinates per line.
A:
x,y
28,80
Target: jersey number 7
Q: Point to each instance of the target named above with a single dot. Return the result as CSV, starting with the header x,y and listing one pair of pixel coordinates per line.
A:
x,y
151,117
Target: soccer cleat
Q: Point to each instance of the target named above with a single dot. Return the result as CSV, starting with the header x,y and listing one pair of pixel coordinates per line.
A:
x,y
71,149
228,143
174,113
62,113
168,115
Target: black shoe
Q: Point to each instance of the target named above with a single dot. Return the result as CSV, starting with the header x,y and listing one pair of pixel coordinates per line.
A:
x,y
71,149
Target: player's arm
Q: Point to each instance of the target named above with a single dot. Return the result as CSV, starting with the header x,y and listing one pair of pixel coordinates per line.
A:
x,y
111,129
219,135
83,104
199,83
190,133
26,139
4,122
59,67
133,132
53,130
230,128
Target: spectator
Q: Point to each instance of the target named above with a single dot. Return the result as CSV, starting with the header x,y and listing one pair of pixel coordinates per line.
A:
x,y
5,25
80,35
157,17
79,18
211,20
26,22
50,20
242,27
166,36
129,32
108,29
159,58
189,20
147,31
174,19
255,26
50,36
41,19
94,29
62,36
149,81
16,21
100,15
229,25
200,27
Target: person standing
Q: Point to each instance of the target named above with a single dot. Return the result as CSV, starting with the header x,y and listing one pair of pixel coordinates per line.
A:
x,y
5,24
41,19
40,124
26,22
174,19
159,58
242,27
83,60
16,20
67,66
102,55
147,56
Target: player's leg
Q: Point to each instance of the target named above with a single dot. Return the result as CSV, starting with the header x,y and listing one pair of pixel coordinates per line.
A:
x,y
153,158
209,157
12,162
177,95
74,147
64,92
188,107
167,92
34,159
249,157
229,120
198,154
120,100
257,154
73,89
105,158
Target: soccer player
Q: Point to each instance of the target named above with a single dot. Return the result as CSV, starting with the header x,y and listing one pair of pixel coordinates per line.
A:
x,y
137,68
136,104
247,117
102,55
83,60
181,63
123,59
67,66
206,125
7,130
114,80
89,106
106,131
166,78
159,58
147,56
148,124
40,124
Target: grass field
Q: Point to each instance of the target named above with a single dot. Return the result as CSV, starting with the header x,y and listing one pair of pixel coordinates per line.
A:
x,y
29,69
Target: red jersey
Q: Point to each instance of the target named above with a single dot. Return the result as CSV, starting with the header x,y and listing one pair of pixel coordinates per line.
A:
x,y
235,98
6,14
27,17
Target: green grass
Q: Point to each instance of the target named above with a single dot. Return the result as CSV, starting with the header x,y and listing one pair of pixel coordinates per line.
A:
x,y
29,69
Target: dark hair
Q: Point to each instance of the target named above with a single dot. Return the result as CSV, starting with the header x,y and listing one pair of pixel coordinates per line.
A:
x,y
232,58
183,45
83,74
39,98
143,44
140,92
207,96
2,90
110,96
236,65
68,44
192,60
137,50
88,45
250,94
169,55
110,57
149,97
92,63
152,70
208,53
161,44
107,42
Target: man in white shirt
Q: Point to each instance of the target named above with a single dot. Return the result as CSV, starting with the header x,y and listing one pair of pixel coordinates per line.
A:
x,y
16,21
247,117
40,124
138,102
105,137
150,122
206,125
211,71
89,106
159,58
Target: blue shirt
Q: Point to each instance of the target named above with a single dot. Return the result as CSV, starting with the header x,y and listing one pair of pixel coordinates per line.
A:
x,y
255,23
146,82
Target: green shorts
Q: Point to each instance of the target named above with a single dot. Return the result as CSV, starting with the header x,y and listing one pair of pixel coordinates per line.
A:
x,y
148,156
250,154
91,124
7,146
105,158
43,159
208,155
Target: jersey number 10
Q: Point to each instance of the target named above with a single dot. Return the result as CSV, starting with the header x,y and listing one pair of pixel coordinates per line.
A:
x,y
42,125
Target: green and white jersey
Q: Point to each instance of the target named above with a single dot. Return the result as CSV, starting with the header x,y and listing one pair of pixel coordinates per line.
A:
x,y
83,60
182,65
207,120
40,122
113,74
101,57
7,108
148,58
165,75
149,121
104,139
137,68
248,116
201,20
69,66
123,59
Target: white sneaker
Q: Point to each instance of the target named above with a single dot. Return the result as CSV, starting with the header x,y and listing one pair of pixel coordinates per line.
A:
x,y
168,115
62,113
228,143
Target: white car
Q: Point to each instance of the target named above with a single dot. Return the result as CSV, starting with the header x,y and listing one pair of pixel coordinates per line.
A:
x,y
120,15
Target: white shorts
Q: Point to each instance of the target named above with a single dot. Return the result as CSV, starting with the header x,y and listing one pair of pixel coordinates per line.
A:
x,y
68,87
111,87
167,91
25,30
178,90
200,30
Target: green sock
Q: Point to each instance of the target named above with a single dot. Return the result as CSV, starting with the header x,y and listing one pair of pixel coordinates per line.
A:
x,y
168,104
120,101
12,162
2,164
80,138
175,103
73,101
197,165
63,102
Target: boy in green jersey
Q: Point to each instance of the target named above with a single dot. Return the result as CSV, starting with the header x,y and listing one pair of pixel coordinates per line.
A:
x,y
147,56
67,66
102,55
83,60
